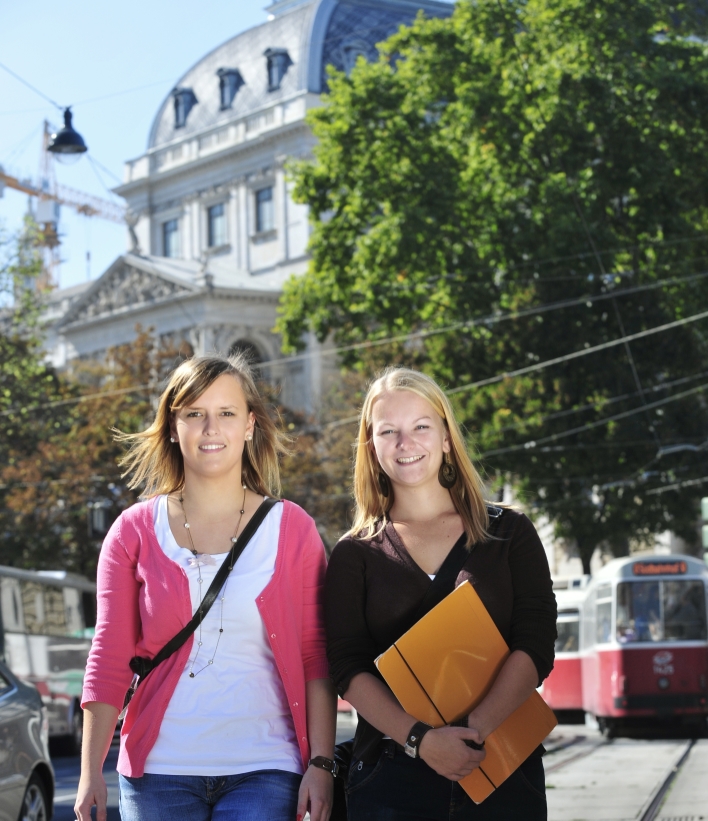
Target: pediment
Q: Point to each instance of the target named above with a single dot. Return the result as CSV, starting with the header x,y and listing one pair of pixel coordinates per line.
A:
x,y
125,287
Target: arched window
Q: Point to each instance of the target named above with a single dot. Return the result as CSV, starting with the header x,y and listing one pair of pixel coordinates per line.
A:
x,y
253,355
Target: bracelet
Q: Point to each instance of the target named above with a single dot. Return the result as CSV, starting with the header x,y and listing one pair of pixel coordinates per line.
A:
x,y
324,764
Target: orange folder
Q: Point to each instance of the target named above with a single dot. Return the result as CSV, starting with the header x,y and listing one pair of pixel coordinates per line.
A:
x,y
444,666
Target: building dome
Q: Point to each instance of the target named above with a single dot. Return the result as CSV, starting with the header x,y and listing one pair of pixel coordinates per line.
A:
x,y
281,58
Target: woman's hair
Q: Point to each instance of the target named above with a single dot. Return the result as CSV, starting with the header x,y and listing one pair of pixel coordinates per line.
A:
x,y
371,505
156,464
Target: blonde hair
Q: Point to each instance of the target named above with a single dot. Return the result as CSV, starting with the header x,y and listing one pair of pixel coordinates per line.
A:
x,y
156,464
371,505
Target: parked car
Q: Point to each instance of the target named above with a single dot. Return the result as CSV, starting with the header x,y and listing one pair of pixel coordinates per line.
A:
x,y
26,774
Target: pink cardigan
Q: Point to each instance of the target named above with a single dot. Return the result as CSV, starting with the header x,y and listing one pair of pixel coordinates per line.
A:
x,y
143,601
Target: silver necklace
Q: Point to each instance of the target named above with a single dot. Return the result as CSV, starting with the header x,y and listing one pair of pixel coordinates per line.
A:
x,y
204,559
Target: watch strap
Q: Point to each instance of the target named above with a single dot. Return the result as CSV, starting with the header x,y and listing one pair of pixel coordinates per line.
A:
x,y
324,764
415,736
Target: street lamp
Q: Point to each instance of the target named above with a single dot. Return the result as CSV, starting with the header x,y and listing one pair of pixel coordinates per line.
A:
x,y
67,144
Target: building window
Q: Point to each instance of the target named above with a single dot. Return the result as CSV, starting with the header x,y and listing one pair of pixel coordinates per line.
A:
x,y
242,347
278,63
265,211
230,80
184,101
216,219
170,238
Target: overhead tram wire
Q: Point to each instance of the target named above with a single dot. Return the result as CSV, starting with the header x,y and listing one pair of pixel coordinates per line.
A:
x,y
532,444
470,386
31,87
490,319
538,366
607,401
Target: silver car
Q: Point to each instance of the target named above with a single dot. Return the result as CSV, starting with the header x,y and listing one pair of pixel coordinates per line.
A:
x,y
26,774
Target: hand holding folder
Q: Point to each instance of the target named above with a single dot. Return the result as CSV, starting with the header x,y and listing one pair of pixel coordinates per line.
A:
x,y
443,667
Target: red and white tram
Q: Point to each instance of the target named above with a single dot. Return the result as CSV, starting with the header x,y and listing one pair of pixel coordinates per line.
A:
x,y
562,690
643,642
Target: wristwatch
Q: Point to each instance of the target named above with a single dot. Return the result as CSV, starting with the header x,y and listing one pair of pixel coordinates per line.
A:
x,y
324,764
418,730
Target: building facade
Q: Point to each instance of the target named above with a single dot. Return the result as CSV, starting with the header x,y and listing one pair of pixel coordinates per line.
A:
x,y
214,231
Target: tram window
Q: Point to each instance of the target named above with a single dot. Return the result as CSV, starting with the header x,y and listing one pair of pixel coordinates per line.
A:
x,y
43,609
11,599
639,612
72,608
684,611
568,634
604,622
660,610
88,605
33,606
54,612
603,625
588,634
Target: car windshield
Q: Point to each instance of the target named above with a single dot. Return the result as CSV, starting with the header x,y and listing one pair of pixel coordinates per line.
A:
x,y
658,610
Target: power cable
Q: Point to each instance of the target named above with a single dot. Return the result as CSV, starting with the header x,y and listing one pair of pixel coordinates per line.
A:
x,y
32,88
486,320
119,93
94,165
676,486
490,319
578,354
554,437
603,402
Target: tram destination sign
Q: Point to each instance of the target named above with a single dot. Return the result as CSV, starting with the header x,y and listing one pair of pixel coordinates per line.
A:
x,y
659,568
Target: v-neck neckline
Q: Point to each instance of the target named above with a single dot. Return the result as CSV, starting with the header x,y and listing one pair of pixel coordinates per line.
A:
x,y
404,553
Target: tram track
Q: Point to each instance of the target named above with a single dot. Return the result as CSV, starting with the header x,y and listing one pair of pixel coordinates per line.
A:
x,y
591,748
652,811
590,777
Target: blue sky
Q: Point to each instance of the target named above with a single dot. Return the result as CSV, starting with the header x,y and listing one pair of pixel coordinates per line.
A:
x,y
77,53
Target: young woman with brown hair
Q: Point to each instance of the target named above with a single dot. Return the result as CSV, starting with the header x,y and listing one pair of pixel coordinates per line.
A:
x,y
239,722
417,496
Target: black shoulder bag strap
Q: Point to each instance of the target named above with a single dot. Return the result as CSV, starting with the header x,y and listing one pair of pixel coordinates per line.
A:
x,y
141,665
444,582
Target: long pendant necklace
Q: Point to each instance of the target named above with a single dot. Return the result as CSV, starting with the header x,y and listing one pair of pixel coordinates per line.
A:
x,y
204,559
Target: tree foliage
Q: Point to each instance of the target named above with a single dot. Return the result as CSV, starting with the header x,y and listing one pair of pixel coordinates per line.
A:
x,y
518,155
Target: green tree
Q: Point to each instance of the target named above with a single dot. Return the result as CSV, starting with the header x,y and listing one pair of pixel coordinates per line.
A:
x,y
521,154
26,381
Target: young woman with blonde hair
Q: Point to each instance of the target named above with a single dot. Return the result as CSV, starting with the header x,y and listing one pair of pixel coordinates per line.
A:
x,y
418,496
238,722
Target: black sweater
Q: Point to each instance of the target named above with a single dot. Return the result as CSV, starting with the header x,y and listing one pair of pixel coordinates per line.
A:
x,y
374,589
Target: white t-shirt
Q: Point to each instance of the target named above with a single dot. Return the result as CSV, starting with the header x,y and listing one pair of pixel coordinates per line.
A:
x,y
233,716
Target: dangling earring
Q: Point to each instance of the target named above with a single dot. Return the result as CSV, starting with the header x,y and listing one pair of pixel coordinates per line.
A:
x,y
447,475
384,485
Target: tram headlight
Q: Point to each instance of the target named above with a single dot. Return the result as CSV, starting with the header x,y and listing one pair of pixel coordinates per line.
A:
x,y
663,683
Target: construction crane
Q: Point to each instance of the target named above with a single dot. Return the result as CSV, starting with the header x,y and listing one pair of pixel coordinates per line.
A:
x,y
50,195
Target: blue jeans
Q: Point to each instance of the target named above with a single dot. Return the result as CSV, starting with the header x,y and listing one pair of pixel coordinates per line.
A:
x,y
399,788
263,794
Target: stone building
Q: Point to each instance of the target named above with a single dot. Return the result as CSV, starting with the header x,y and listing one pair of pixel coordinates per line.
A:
x,y
214,231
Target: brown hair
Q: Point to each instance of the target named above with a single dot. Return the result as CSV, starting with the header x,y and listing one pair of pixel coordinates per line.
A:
x,y
156,464
371,505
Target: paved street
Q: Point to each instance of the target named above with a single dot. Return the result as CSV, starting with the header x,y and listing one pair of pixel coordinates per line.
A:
x,y
587,777
67,774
